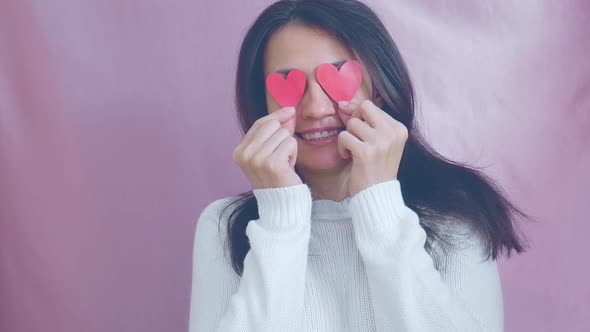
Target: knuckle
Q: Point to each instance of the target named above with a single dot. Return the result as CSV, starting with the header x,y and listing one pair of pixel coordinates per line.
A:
x,y
276,125
400,131
257,123
341,135
235,155
257,162
291,140
273,122
403,131
366,103
238,153
283,131
251,155
264,121
272,166
246,153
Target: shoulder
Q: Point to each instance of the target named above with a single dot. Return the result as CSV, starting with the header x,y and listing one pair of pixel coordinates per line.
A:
x,y
215,209
212,222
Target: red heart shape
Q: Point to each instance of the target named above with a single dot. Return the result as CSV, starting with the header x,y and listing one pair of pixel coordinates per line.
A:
x,y
340,85
287,92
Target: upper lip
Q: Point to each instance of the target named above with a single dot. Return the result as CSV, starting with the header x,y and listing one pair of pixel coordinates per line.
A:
x,y
318,130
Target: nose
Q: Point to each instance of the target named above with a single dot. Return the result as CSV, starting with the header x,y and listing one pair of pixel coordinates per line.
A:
x,y
315,104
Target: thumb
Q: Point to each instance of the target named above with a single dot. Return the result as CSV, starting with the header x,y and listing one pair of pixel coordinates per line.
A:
x,y
289,124
286,117
345,110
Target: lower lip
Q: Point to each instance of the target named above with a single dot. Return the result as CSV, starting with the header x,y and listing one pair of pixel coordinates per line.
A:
x,y
322,141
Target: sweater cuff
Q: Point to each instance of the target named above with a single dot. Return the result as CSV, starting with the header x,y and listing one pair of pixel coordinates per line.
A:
x,y
378,209
284,207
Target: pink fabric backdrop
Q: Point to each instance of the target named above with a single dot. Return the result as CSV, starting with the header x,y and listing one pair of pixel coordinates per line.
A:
x,y
117,126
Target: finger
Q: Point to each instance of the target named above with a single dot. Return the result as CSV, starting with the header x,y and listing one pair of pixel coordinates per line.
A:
x,y
345,110
348,144
348,107
357,114
342,151
259,134
289,125
370,113
287,150
286,118
361,130
283,114
365,110
264,127
271,144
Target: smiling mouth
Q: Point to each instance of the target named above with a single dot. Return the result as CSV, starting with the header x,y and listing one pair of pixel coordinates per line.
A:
x,y
320,135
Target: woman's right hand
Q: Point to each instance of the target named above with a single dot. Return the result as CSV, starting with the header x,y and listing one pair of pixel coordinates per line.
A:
x,y
268,152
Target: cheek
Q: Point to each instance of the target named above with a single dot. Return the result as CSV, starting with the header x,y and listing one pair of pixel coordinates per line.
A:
x,y
363,93
365,90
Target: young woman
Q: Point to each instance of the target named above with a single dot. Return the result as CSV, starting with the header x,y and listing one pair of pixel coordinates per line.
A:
x,y
354,222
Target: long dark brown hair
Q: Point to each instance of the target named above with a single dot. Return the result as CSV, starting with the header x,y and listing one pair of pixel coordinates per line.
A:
x,y
436,188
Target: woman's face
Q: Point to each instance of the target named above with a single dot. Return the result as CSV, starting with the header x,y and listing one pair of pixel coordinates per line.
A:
x,y
296,46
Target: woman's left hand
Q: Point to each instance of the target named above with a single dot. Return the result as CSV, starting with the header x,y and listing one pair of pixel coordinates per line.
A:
x,y
374,140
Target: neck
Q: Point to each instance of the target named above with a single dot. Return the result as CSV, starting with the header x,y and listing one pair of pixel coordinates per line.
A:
x,y
332,184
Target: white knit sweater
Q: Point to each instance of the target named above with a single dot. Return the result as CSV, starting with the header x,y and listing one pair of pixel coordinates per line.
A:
x,y
354,265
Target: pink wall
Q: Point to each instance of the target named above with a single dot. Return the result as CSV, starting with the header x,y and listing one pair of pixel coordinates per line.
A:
x,y
116,125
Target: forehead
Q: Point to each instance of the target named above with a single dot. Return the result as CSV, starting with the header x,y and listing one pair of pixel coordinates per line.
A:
x,y
298,46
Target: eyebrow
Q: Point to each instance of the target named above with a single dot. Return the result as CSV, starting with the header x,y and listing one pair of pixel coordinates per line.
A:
x,y
286,71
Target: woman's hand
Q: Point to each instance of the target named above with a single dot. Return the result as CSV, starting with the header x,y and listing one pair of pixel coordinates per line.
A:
x,y
268,152
376,142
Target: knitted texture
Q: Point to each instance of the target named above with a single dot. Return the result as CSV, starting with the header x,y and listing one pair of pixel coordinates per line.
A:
x,y
354,265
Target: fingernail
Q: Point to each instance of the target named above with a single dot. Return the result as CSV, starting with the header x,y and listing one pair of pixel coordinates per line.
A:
x,y
343,103
289,110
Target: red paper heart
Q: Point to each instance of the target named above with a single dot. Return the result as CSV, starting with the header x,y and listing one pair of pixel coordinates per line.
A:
x,y
287,92
340,85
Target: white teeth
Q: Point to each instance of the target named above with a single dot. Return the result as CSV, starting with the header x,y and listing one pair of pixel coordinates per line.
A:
x,y
320,135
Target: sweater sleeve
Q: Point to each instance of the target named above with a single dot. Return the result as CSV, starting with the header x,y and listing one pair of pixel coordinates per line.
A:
x,y
408,291
269,295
